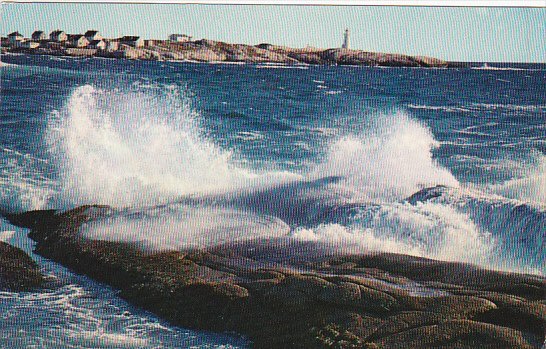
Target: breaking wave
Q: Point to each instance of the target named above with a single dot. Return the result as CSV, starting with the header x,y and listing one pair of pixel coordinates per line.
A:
x,y
138,149
529,186
391,161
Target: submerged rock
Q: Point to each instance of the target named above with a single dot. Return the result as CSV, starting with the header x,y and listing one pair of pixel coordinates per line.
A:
x,y
298,300
18,272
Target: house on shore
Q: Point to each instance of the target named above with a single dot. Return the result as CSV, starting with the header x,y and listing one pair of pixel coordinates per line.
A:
x,y
15,39
52,45
77,40
97,44
112,45
133,41
30,44
39,35
58,36
92,35
179,38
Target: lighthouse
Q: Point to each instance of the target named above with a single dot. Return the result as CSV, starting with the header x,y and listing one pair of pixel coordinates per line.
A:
x,y
346,39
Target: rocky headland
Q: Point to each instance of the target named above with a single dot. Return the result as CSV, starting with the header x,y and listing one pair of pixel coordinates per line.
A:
x,y
217,51
302,296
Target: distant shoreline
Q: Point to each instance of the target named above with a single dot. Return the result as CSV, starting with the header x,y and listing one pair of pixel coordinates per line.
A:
x,y
90,53
208,51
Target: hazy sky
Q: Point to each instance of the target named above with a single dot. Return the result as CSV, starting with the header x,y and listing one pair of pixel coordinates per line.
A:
x,y
476,34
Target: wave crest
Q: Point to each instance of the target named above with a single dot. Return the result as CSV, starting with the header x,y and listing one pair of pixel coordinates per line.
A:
x,y
131,147
390,162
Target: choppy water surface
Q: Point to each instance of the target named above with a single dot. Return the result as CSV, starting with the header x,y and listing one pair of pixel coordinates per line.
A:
x,y
234,152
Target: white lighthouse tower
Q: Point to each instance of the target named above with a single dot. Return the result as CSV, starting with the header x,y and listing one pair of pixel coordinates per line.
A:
x,y
346,39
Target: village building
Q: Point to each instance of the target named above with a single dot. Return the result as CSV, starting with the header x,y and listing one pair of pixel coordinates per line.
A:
x,y
179,38
112,45
148,43
97,44
58,36
92,35
133,41
15,38
30,44
39,35
54,45
77,40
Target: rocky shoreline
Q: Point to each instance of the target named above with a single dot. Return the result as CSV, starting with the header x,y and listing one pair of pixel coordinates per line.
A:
x,y
217,51
18,272
305,297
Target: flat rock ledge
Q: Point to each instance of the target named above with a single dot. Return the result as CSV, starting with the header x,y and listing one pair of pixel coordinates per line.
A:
x,y
324,301
18,272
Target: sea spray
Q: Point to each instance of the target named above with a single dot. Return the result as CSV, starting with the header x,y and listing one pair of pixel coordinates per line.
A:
x,y
141,147
179,227
126,148
24,184
528,185
426,230
390,161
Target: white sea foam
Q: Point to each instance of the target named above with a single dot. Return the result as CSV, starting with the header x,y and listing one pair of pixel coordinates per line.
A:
x,y
480,106
72,316
183,227
351,240
428,230
22,185
133,147
487,67
529,185
112,151
7,65
512,107
393,160
449,109
249,136
269,66
145,146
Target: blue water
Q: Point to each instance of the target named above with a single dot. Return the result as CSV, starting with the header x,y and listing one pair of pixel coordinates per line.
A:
x,y
322,154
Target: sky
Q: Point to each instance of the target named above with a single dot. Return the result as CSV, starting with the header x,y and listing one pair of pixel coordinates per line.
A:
x,y
493,34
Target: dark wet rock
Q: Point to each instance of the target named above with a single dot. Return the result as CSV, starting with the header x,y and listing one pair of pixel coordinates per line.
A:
x,y
427,194
234,114
404,321
526,317
456,334
309,299
18,272
462,307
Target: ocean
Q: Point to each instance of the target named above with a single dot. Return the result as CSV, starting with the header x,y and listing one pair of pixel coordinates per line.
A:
x,y
447,164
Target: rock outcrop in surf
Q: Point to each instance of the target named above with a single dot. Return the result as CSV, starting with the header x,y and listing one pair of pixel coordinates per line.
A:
x,y
18,272
305,297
